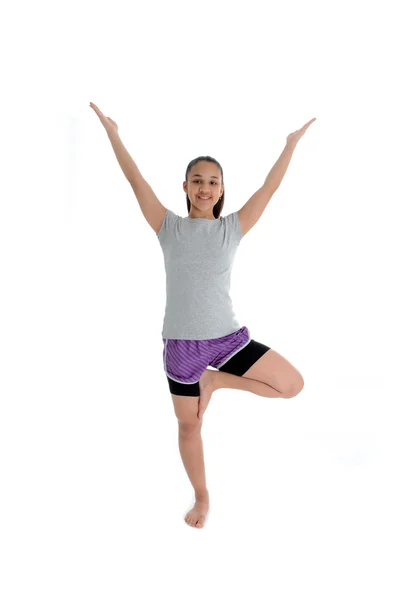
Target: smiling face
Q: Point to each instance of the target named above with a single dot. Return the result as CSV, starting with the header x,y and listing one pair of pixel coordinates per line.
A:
x,y
204,188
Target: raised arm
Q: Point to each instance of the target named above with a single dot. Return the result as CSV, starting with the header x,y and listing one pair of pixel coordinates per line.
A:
x,y
152,209
252,210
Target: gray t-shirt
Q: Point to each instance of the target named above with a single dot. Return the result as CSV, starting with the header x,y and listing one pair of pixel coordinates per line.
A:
x,y
198,258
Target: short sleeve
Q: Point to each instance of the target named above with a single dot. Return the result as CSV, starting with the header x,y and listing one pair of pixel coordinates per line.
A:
x,y
168,226
233,226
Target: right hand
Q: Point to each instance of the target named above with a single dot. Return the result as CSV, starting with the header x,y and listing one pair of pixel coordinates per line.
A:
x,y
109,125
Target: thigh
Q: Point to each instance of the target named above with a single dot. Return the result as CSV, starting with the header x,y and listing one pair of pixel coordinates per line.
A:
x,y
245,358
186,409
184,363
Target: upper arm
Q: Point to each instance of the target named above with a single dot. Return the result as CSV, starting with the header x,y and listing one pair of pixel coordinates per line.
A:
x,y
254,208
245,220
152,209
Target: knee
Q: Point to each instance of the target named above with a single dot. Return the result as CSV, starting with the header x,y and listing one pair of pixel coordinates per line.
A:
x,y
188,429
295,389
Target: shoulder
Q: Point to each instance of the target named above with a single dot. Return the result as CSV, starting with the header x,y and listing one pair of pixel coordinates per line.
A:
x,y
232,223
168,223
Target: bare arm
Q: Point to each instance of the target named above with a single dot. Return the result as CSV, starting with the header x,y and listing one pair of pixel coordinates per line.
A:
x,y
254,208
152,209
125,161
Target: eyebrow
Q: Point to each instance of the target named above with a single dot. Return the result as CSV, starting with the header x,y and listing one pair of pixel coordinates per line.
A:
x,y
198,175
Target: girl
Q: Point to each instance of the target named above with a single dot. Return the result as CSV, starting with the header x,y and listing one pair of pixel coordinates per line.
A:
x,y
200,328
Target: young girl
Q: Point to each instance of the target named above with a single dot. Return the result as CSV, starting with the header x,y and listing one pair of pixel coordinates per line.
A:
x,y
200,328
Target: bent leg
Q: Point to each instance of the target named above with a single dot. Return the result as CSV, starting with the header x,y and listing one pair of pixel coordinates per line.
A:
x,y
221,379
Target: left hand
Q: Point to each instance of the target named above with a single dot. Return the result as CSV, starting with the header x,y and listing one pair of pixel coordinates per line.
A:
x,y
294,137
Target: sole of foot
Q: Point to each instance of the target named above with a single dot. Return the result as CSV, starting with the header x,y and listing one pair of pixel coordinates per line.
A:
x,y
206,385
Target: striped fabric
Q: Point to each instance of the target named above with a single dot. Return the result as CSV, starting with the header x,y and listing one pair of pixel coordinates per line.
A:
x,y
186,360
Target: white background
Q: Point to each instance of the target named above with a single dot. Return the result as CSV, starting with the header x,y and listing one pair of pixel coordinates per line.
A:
x,y
304,496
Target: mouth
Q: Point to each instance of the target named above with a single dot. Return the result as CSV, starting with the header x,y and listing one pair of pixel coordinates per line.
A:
x,y
204,198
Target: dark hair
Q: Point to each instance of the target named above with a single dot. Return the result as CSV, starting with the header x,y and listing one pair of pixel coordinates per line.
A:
x,y
217,208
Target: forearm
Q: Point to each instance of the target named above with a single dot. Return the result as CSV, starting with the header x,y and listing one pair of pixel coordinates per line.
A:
x,y
124,159
279,169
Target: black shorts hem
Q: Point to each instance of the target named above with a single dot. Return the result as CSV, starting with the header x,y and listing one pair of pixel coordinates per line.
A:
x,y
236,365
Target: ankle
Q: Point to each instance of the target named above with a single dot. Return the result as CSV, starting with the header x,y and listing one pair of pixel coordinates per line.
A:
x,y
201,494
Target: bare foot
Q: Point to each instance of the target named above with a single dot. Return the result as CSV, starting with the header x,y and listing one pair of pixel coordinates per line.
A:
x,y
206,384
197,515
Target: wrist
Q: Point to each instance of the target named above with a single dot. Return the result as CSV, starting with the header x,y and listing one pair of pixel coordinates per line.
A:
x,y
291,145
113,134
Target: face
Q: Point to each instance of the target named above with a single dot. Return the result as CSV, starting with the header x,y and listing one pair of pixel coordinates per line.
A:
x,y
204,179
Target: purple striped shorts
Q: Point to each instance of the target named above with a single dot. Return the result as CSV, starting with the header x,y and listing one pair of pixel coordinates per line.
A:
x,y
186,360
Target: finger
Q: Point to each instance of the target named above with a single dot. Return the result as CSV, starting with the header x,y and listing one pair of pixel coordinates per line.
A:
x,y
97,110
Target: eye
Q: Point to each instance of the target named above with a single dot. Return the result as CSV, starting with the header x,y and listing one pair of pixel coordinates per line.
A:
x,y
196,180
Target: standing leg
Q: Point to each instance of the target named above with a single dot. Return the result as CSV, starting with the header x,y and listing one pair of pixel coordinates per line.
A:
x,y
191,450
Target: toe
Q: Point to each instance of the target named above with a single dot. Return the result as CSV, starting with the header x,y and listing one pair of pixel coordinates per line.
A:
x,y
200,522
